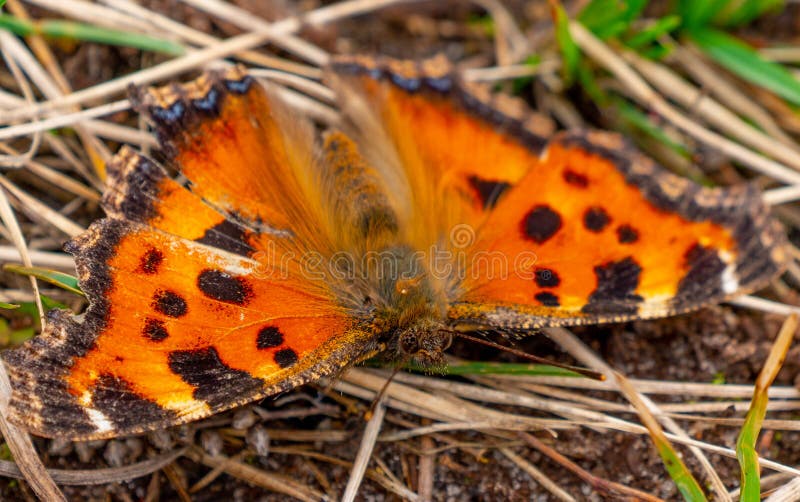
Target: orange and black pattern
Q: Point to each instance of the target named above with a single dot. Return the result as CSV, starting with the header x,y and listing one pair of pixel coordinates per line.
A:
x,y
274,259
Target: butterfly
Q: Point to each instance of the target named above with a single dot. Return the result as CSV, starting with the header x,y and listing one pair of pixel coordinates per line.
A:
x,y
257,255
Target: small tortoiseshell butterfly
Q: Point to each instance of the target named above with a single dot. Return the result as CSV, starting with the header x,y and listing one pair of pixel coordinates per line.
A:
x,y
254,259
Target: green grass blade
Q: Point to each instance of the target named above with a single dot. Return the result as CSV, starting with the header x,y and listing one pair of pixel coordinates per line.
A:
x,y
8,306
741,59
610,18
60,279
698,13
680,474
746,443
589,84
739,12
19,336
650,34
570,53
80,31
683,479
483,368
642,122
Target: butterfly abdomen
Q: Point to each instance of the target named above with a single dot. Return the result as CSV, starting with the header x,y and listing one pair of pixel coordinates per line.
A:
x,y
356,196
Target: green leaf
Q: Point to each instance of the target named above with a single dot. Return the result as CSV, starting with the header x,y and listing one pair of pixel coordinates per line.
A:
x,y
740,12
687,485
518,84
741,59
610,18
31,310
590,86
60,279
746,443
698,13
642,122
481,368
19,336
653,32
8,306
484,23
656,52
80,31
570,53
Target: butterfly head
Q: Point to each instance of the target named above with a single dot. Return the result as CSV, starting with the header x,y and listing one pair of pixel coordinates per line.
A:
x,y
424,342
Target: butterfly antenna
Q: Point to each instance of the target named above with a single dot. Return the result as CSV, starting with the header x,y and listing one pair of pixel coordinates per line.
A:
x,y
595,375
371,411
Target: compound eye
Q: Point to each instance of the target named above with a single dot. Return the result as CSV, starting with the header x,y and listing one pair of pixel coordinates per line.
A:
x,y
409,343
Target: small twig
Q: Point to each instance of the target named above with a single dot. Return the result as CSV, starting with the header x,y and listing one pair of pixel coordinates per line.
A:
x,y
789,492
63,119
711,79
764,305
537,475
242,18
669,83
602,485
426,467
580,351
39,258
271,481
596,49
364,454
99,476
195,59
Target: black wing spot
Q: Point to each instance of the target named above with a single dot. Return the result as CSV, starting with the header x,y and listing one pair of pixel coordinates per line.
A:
x,y
489,191
575,179
227,236
626,234
596,219
547,299
223,287
541,223
214,381
285,358
546,278
269,337
151,261
169,303
616,283
155,330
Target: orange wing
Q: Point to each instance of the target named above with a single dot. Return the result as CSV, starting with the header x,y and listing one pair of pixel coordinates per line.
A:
x,y
581,228
597,232
193,308
233,160
447,150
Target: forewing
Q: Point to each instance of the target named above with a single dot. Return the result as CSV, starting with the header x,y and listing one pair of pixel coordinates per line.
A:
x,y
198,299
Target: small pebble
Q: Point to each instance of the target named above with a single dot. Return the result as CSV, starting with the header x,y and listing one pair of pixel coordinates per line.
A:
x,y
244,419
60,447
115,453
258,439
161,439
135,448
212,442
